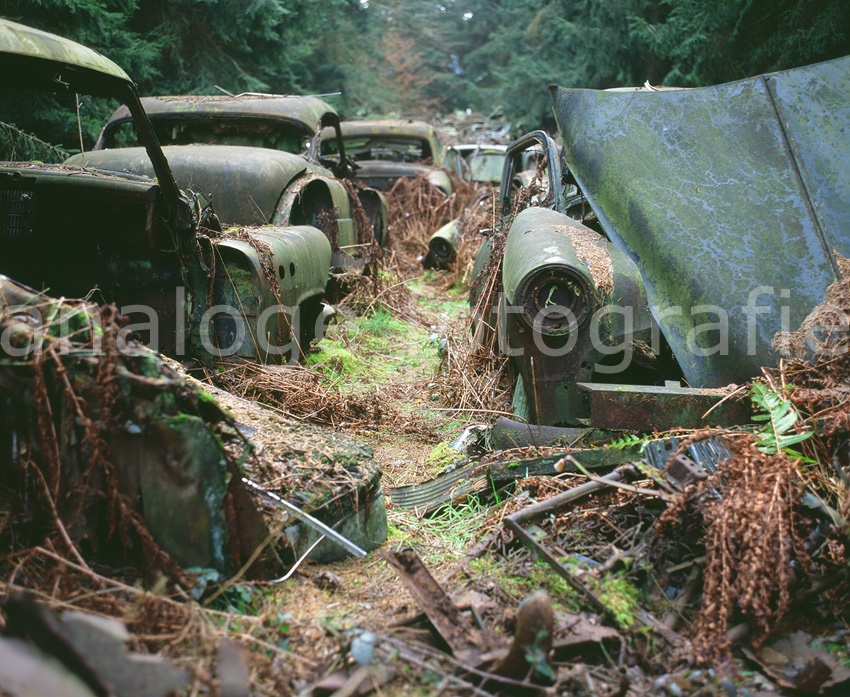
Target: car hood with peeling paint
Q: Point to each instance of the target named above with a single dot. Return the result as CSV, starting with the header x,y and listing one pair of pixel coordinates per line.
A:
x,y
729,199
382,175
244,184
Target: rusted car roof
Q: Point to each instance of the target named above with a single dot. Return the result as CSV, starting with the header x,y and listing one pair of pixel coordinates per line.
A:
x,y
391,127
728,197
18,39
306,111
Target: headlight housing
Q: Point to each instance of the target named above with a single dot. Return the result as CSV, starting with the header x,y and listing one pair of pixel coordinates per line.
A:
x,y
554,300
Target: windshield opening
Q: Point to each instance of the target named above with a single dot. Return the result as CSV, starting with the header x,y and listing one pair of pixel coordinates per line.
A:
x,y
255,133
381,147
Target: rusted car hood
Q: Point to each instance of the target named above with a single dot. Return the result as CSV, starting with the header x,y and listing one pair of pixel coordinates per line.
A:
x,y
85,67
390,170
118,181
730,196
243,184
380,174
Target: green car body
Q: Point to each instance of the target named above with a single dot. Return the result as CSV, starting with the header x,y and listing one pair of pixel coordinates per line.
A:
x,y
388,150
721,214
141,242
253,157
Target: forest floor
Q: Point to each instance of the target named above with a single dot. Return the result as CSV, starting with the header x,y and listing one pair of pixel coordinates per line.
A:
x,y
607,644
734,586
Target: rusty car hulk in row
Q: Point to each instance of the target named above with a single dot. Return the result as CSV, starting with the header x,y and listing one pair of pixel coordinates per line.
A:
x,y
255,157
132,436
559,278
726,216
388,150
140,242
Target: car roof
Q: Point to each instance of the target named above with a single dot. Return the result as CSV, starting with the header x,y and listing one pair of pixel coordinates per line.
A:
x,y
388,126
306,111
483,147
36,48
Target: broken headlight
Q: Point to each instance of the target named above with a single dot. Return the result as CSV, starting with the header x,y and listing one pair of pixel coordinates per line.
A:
x,y
554,300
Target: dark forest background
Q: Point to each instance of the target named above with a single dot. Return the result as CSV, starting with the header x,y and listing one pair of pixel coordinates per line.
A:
x,y
418,57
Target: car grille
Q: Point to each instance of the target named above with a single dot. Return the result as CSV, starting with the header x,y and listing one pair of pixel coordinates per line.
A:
x,y
16,213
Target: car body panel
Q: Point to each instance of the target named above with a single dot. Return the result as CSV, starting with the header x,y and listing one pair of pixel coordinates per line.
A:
x,y
729,199
395,127
479,162
244,184
547,243
27,42
259,183
442,246
388,150
571,300
298,257
382,175
305,112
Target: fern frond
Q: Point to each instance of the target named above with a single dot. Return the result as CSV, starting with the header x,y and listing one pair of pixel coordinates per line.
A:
x,y
780,417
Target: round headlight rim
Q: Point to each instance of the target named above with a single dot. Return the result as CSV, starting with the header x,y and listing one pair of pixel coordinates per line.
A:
x,y
536,281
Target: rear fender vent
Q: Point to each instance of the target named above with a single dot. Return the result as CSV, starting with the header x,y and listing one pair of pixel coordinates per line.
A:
x,y
16,213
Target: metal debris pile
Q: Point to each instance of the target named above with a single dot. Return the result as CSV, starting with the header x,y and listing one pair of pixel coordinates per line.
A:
x,y
699,547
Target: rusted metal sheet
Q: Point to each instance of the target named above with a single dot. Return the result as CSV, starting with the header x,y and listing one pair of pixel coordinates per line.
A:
x,y
729,200
244,184
19,40
647,408
467,642
306,112
382,175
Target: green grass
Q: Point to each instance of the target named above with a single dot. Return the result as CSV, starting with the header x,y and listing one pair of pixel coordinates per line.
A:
x,y
441,456
335,359
381,324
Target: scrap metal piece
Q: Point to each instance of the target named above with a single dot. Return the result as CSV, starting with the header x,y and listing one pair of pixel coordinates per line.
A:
x,y
476,478
683,471
306,518
653,407
509,433
442,247
708,453
468,643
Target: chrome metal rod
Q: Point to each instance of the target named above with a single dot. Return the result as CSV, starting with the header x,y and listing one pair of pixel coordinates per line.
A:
x,y
318,525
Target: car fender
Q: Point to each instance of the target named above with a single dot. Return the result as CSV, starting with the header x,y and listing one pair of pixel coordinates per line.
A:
x,y
268,282
570,299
